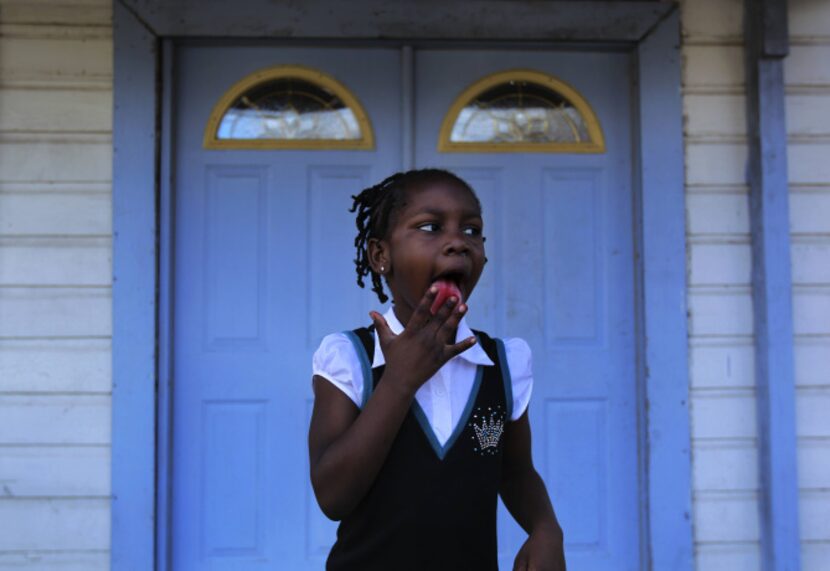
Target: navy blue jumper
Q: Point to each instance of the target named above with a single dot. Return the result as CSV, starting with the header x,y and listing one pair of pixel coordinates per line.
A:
x,y
433,507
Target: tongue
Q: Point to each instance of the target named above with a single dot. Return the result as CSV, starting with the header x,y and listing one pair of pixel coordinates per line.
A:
x,y
446,289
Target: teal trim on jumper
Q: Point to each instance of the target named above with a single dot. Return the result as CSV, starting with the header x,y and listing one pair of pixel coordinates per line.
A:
x,y
365,366
505,375
441,451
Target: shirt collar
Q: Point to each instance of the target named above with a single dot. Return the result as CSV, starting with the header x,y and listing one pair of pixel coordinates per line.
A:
x,y
475,354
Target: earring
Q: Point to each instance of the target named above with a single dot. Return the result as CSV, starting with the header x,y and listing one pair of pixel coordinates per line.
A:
x,y
382,269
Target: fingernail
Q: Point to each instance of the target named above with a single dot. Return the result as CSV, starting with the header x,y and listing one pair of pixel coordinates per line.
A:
x,y
433,289
462,308
452,300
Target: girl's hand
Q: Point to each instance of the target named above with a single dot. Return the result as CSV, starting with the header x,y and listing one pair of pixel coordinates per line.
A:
x,y
425,344
543,551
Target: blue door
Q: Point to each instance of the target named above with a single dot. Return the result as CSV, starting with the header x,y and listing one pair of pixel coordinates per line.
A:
x,y
263,269
559,239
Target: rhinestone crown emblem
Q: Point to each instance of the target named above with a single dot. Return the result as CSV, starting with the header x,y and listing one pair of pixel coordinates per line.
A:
x,y
489,432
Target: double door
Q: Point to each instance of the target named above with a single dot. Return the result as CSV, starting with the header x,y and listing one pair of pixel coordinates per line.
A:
x,y
263,269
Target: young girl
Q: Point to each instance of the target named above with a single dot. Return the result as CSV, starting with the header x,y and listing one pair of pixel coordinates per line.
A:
x,y
419,423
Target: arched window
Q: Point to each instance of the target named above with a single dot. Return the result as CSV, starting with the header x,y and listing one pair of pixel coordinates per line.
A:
x,y
288,107
521,111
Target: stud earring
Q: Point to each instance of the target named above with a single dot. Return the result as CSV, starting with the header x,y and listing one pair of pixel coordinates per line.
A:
x,y
382,269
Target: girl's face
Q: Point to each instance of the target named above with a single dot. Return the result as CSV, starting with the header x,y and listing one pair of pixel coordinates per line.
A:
x,y
436,234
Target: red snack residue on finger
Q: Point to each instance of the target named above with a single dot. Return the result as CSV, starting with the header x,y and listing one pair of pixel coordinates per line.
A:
x,y
446,289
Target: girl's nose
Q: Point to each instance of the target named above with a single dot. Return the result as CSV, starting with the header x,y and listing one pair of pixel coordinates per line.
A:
x,y
456,244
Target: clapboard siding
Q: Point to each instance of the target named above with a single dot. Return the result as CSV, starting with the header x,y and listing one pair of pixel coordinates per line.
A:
x,y
807,65
814,469
55,312
725,476
80,523
55,365
29,59
722,362
715,114
810,210
724,443
717,311
68,560
807,74
55,209
56,110
724,465
84,158
717,68
726,517
811,357
55,283
734,556
55,471
811,310
56,261
711,163
70,13
712,20
807,114
55,419
714,211
717,260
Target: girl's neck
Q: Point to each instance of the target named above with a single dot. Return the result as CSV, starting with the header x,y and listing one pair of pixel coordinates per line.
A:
x,y
402,315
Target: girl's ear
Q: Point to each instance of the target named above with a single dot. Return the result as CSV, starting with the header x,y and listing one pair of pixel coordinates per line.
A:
x,y
378,251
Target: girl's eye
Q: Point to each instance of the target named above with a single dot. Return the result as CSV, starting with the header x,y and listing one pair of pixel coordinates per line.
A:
x,y
429,227
472,231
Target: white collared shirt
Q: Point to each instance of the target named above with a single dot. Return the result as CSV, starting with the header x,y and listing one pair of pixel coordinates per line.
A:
x,y
444,396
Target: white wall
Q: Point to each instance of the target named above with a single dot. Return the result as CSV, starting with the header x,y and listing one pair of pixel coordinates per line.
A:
x,y
55,302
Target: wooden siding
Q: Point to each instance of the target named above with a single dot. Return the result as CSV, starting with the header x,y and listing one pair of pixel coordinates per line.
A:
x,y
807,76
55,284
724,430
724,444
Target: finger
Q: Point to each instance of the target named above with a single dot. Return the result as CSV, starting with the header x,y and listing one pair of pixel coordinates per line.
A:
x,y
421,316
382,327
453,350
444,312
450,325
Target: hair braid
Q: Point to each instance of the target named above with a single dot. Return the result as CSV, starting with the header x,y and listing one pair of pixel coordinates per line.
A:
x,y
373,207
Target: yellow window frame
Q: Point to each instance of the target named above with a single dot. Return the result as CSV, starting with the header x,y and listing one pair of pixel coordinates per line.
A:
x,y
595,144
366,142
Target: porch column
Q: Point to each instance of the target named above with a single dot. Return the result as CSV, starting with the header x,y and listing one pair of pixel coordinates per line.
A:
x,y
766,41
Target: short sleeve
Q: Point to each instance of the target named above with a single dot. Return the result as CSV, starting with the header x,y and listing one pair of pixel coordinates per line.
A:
x,y
337,362
519,362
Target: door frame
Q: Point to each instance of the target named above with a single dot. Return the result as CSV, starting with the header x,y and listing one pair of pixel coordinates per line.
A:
x,y
142,260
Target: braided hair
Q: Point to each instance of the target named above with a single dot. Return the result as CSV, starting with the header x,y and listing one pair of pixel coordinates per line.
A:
x,y
375,207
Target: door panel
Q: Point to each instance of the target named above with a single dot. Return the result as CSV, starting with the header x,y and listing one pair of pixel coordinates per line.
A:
x,y
263,270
